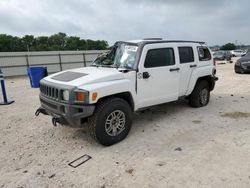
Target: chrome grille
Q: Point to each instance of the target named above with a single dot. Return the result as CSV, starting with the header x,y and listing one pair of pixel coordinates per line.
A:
x,y
49,91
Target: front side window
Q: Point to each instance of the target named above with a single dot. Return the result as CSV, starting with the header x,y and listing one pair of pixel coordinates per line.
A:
x,y
159,57
186,54
204,54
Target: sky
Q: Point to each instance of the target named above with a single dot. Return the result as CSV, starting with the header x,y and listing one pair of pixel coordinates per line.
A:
x,y
212,21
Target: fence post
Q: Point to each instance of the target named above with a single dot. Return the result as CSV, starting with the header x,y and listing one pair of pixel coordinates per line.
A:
x,y
27,60
60,61
84,59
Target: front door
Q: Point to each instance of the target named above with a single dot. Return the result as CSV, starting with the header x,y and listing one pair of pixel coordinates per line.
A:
x,y
158,76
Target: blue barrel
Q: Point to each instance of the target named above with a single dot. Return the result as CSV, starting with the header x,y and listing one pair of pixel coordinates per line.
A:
x,y
36,74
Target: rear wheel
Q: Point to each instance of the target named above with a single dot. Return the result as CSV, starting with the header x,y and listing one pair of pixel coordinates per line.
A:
x,y
200,95
111,121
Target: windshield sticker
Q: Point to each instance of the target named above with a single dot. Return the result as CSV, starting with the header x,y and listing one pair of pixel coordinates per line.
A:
x,y
131,48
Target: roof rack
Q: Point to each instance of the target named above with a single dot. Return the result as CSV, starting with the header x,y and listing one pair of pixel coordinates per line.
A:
x,y
152,39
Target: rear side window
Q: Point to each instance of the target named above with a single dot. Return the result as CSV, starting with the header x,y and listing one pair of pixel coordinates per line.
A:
x,y
186,54
159,57
204,54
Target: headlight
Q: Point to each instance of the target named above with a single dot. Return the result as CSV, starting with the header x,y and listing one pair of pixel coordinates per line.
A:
x,y
65,95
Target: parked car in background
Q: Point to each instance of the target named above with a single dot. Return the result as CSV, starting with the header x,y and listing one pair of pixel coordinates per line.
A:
x,y
222,55
238,53
242,65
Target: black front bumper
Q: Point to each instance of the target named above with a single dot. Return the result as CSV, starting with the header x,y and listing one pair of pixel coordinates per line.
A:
x,y
73,115
241,69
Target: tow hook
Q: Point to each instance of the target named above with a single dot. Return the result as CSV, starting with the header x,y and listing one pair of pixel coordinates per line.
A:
x,y
56,120
40,110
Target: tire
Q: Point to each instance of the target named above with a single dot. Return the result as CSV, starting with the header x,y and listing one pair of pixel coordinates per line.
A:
x,y
109,113
200,95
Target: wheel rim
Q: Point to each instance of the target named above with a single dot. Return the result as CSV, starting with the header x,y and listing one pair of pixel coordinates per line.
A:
x,y
115,123
204,96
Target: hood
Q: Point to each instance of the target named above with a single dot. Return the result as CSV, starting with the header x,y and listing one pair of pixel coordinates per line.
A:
x,y
245,58
84,76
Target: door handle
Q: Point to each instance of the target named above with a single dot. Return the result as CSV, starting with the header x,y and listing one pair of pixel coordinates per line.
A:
x,y
145,75
174,69
192,66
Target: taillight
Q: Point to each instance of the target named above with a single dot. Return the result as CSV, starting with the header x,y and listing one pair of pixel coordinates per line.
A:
x,y
214,61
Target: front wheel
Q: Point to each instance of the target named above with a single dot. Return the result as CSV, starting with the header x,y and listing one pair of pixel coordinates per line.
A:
x,y
200,95
111,121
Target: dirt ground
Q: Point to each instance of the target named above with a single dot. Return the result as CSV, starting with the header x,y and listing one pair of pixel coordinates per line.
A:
x,y
172,145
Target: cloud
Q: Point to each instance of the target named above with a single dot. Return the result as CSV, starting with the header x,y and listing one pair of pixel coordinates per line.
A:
x,y
215,22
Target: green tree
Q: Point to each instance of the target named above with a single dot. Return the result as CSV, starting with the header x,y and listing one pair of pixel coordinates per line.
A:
x,y
72,43
9,43
28,42
228,46
41,44
57,41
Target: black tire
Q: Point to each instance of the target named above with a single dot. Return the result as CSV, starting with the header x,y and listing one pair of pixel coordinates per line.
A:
x,y
98,121
200,95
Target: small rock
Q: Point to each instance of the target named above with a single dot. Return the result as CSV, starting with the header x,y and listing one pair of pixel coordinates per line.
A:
x,y
25,171
38,173
52,176
116,163
161,164
232,95
130,171
116,151
178,149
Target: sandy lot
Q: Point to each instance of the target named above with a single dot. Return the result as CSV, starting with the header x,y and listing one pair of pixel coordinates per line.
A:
x,y
171,145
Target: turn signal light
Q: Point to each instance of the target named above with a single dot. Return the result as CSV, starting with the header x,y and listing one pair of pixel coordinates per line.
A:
x,y
94,96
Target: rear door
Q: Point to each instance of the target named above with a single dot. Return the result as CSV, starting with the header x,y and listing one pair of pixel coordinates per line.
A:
x,y
187,65
158,76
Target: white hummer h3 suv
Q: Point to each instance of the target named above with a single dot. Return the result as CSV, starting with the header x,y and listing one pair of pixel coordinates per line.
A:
x,y
132,76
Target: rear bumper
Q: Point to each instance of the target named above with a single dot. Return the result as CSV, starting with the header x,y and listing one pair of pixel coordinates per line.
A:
x,y
213,79
69,114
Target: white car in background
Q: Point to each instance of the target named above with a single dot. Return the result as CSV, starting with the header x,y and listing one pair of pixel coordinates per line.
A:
x,y
238,53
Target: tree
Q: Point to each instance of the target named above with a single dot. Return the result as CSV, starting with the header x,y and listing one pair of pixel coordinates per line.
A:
x,y
228,46
59,41
28,41
41,44
72,43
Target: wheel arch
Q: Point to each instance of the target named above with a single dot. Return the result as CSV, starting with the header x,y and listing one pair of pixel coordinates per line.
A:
x,y
209,79
127,96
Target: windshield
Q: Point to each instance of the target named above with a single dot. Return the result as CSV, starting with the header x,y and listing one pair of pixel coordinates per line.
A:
x,y
121,55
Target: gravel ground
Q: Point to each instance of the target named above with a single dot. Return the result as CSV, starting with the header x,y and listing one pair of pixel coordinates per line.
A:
x,y
171,145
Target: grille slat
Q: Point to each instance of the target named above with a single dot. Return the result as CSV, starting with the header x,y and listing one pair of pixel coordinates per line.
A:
x,y
49,91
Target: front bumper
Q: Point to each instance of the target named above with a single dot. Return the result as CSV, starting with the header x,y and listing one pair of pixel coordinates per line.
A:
x,y
242,69
66,114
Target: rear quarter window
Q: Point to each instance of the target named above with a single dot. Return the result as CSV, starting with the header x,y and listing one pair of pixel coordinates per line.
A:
x,y
204,53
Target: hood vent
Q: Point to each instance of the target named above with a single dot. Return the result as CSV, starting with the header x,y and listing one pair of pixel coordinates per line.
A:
x,y
68,76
